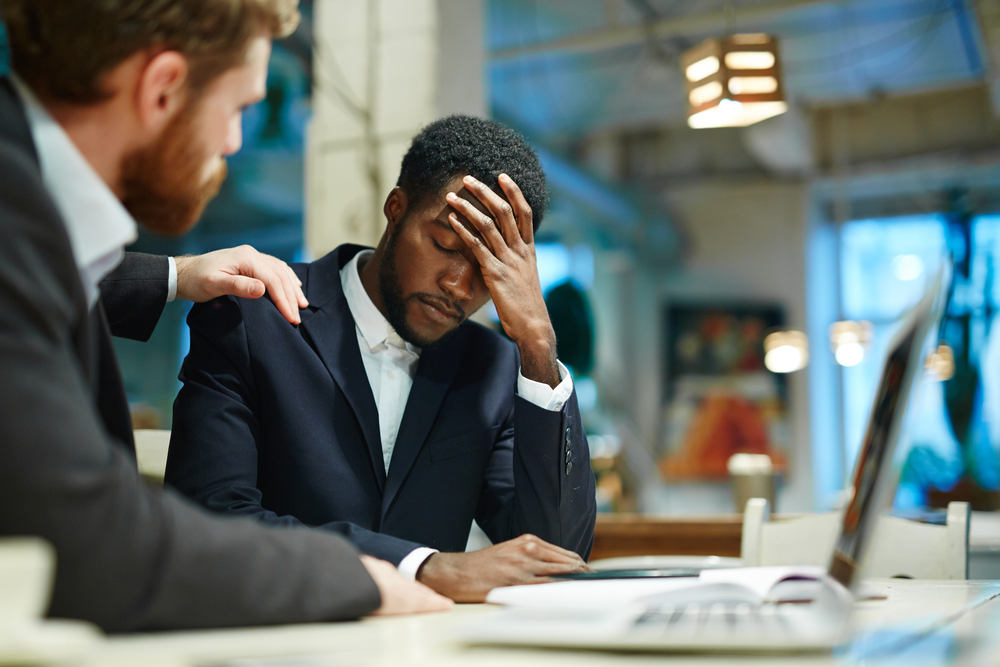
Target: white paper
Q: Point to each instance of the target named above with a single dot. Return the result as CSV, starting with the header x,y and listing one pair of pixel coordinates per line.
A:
x,y
755,582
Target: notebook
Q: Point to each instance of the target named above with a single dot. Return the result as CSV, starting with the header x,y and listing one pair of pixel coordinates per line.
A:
x,y
765,609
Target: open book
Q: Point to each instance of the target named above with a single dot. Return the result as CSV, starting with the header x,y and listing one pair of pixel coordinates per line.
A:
x,y
751,585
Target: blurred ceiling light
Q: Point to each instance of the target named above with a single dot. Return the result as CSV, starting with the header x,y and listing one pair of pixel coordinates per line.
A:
x,y
786,351
750,60
850,354
849,341
907,267
699,70
941,363
752,85
733,81
710,91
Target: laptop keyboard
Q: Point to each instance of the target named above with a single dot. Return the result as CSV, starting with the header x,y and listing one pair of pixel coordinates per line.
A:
x,y
716,619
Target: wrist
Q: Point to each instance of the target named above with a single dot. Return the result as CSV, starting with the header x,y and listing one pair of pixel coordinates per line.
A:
x,y
423,566
539,357
182,264
433,573
538,342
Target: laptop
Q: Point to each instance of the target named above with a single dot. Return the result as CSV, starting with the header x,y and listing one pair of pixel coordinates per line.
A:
x,y
763,609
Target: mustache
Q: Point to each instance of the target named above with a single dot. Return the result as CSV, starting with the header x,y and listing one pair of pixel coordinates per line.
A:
x,y
441,303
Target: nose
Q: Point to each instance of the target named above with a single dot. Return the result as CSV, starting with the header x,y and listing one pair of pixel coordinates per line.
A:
x,y
234,137
458,281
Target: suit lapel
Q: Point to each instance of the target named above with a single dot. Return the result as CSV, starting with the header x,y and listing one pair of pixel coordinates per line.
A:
x,y
435,372
334,336
15,127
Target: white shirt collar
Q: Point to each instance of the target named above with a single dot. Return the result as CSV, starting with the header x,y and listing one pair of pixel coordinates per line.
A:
x,y
97,223
374,328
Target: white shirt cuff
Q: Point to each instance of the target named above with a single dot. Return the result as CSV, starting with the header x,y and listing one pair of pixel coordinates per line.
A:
x,y
542,394
171,280
411,563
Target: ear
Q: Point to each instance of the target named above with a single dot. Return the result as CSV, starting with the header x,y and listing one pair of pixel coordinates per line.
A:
x,y
161,90
394,209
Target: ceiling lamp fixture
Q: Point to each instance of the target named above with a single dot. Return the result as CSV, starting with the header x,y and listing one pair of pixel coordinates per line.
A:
x,y
733,81
786,351
850,341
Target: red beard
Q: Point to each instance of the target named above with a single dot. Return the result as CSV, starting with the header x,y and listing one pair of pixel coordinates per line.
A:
x,y
164,185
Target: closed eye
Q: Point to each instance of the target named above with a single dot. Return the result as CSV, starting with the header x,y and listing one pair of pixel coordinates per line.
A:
x,y
447,251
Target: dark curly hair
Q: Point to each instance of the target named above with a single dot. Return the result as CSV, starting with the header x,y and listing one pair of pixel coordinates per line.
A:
x,y
460,145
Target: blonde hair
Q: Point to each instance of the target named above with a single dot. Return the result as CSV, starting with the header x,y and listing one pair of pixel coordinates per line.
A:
x,y
64,48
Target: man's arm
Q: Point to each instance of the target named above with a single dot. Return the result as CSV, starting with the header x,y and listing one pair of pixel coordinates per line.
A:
x,y
541,517
136,291
134,295
214,438
553,495
241,272
129,557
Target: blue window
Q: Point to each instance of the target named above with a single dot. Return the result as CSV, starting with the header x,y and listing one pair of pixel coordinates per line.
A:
x,y
884,267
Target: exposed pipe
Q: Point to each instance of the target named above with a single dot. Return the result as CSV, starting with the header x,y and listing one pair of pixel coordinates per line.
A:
x,y
635,34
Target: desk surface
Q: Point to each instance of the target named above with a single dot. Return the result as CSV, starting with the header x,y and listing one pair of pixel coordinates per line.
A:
x,y
926,622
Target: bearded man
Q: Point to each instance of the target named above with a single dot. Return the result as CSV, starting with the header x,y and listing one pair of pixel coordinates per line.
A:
x,y
122,110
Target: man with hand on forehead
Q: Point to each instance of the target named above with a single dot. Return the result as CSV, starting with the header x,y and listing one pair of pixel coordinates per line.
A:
x,y
386,415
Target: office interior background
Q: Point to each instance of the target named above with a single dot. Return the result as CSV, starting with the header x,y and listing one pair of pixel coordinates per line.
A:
x,y
683,266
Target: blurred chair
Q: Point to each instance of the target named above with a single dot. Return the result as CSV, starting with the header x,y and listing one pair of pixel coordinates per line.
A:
x,y
151,453
901,548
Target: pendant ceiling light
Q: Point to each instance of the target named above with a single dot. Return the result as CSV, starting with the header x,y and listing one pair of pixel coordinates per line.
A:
x,y
733,81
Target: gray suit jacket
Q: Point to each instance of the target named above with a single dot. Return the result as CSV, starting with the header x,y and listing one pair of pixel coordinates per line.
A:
x,y
128,557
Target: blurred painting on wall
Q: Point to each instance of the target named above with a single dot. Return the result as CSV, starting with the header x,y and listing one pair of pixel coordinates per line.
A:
x,y
720,399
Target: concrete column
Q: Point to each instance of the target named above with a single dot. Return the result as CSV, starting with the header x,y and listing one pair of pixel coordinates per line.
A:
x,y
383,70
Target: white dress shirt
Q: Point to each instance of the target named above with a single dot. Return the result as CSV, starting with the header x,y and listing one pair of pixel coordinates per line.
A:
x,y
98,225
390,363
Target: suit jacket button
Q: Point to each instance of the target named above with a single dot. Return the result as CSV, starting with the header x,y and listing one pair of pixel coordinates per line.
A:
x,y
569,466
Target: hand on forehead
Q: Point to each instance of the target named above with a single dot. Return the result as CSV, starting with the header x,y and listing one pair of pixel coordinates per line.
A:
x,y
468,196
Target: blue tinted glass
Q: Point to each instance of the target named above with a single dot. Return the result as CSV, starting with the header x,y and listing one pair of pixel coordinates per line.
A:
x,y
886,263
558,263
4,55
884,268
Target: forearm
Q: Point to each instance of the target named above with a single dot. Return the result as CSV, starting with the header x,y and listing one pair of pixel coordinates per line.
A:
x,y
134,295
538,356
379,545
550,488
219,572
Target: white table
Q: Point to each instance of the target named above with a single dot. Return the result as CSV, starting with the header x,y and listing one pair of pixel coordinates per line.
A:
x,y
965,613
984,545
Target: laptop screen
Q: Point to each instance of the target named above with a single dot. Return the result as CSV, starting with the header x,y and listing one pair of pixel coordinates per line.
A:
x,y
872,480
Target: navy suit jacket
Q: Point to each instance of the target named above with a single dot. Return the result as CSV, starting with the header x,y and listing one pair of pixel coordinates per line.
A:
x,y
279,423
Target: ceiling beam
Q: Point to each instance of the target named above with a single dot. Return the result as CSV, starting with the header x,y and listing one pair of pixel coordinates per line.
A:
x,y
611,38
988,15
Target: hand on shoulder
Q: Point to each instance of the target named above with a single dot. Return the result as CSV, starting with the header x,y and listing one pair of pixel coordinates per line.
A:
x,y
242,272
